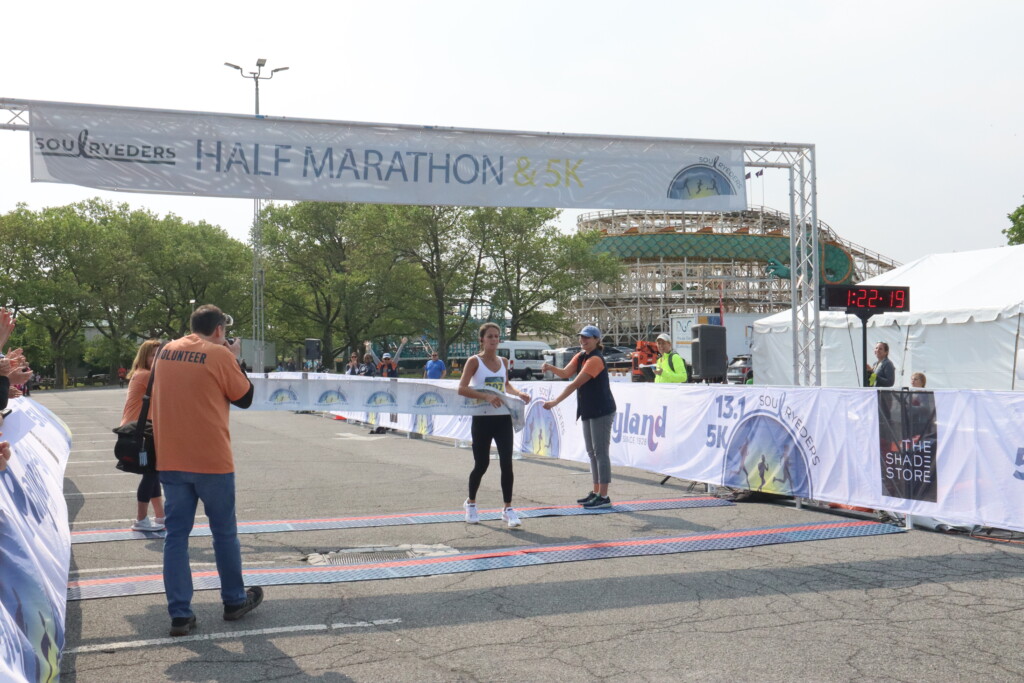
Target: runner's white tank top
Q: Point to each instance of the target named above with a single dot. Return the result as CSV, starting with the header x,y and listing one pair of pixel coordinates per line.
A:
x,y
485,377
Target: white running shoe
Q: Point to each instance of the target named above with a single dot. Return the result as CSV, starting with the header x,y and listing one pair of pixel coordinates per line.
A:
x,y
472,516
511,518
146,524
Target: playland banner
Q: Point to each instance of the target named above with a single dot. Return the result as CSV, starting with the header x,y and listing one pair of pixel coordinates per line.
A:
x,y
221,155
953,455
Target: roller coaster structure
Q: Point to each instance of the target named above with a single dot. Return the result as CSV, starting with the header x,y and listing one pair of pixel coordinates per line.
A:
x,y
686,263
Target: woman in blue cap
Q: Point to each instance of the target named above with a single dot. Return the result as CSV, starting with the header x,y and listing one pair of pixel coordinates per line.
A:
x,y
595,405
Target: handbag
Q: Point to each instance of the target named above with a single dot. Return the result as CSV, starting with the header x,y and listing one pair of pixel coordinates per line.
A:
x,y
134,448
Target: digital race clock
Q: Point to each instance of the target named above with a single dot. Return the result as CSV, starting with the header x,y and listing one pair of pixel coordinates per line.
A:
x,y
861,299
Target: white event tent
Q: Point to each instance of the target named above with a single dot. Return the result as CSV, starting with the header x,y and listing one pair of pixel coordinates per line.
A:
x,y
963,329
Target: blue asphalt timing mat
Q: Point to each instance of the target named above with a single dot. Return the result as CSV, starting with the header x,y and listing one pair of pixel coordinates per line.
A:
x,y
98,535
506,558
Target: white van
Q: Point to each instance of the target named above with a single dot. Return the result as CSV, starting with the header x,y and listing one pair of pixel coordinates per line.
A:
x,y
560,358
526,358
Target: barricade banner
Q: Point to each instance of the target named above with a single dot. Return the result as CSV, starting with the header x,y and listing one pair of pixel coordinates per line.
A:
x,y
35,544
376,395
223,155
957,456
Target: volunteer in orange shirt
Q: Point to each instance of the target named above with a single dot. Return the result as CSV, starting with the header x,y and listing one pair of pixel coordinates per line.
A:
x,y
197,379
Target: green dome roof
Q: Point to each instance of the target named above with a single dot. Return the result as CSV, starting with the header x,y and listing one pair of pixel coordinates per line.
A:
x,y
837,264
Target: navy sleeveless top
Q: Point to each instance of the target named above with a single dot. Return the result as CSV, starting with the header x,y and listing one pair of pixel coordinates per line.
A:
x,y
594,398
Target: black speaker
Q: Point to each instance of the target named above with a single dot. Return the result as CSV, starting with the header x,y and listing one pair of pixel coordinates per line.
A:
x,y
710,358
312,349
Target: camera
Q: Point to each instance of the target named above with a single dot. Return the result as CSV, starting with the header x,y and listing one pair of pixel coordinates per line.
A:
x,y
230,340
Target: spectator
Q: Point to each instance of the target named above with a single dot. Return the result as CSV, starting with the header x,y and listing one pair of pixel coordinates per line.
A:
x,y
669,367
883,372
5,454
353,364
434,369
198,382
14,371
368,369
388,366
149,492
122,375
7,324
918,380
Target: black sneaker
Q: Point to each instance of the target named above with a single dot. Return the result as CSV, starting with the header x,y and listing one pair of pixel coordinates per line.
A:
x,y
598,502
253,598
182,626
584,501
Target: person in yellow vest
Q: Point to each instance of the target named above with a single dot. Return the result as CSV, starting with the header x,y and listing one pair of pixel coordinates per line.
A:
x,y
670,366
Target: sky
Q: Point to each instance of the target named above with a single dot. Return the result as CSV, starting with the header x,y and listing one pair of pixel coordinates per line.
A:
x,y
915,109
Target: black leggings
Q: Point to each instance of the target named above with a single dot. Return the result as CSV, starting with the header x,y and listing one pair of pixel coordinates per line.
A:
x,y
149,487
498,428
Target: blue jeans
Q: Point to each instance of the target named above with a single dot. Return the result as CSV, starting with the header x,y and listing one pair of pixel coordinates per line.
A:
x,y
182,493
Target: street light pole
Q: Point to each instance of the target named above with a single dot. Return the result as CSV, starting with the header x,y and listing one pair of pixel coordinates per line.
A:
x,y
258,279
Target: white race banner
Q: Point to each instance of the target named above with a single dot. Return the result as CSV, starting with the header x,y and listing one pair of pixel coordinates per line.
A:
x,y
223,155
955,456
35,544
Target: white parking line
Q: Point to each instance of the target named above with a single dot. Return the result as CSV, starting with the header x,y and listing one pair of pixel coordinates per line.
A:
x,y
113,521
130,644
116,473
100,493
142,567
364,624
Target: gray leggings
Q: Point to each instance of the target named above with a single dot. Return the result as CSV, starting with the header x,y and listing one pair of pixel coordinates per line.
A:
x,y
597,435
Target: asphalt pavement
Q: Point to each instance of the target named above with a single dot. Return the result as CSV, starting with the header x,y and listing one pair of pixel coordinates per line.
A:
x,y
917,606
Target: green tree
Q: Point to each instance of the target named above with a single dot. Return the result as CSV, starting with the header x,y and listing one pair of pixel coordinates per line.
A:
x,y
1015,233
331,275
127,273
35,342
187,262
110,269
439,242
39,276
534,268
